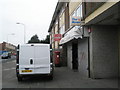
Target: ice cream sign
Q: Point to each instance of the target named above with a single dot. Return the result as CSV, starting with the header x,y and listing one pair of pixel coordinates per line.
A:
x,y
75,21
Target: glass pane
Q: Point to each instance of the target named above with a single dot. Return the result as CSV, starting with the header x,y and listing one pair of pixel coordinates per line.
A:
x,y
74,14
81,10
78,11
62,29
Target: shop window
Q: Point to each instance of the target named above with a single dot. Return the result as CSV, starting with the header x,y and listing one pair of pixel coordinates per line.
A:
x,y
60,47
77,13
62,29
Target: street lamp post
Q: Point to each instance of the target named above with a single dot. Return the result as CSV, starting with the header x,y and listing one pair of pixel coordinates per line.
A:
x,y
24,31
8,35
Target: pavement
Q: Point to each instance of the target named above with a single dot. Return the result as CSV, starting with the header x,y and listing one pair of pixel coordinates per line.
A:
x,y
63,78
71,79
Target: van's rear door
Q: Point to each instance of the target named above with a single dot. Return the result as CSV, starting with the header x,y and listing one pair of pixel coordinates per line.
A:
x,y
26,59
42,59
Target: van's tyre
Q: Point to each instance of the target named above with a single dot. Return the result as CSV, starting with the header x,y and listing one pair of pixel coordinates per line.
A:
x,y
20,78
51,77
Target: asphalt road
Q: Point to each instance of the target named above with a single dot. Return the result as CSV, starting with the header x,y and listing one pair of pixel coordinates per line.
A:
x,y
63,78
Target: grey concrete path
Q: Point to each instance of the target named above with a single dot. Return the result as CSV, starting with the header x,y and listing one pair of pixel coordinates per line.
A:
x,y
69,78
63,78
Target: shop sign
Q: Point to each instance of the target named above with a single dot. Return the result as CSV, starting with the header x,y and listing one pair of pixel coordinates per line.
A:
x,y
75,21
57,37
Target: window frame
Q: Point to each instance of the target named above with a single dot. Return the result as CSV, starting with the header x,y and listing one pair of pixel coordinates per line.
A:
x,y
75,12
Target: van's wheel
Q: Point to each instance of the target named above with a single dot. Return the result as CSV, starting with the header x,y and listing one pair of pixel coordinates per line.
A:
x,y
20,78
51,77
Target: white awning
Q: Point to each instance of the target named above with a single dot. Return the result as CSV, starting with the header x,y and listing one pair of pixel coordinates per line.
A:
x,y
74,33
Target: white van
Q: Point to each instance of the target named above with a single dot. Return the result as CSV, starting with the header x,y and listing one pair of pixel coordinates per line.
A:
x,y
33,59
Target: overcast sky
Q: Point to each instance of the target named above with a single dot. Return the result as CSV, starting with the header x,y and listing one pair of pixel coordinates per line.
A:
x,y
35,14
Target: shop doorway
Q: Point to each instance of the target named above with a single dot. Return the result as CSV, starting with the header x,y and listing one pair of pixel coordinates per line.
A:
x,y
75,56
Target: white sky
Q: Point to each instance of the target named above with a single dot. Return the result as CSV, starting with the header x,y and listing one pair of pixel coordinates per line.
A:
x,y
35,14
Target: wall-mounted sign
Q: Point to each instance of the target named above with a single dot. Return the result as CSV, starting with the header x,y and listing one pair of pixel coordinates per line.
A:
x,y
75,21
57,37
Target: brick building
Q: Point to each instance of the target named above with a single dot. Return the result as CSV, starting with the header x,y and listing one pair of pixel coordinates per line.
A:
x,y
7,47
92,46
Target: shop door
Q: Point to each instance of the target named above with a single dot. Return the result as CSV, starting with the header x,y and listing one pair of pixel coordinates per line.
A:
x,y
75,56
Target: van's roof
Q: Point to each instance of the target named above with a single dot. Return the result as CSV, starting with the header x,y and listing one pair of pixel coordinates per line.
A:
x,y
35,44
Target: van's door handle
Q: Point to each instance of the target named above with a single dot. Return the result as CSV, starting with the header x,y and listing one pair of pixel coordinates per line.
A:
x,y
31,61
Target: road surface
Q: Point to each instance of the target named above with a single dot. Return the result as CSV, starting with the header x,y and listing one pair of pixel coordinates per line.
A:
x,y
63,78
